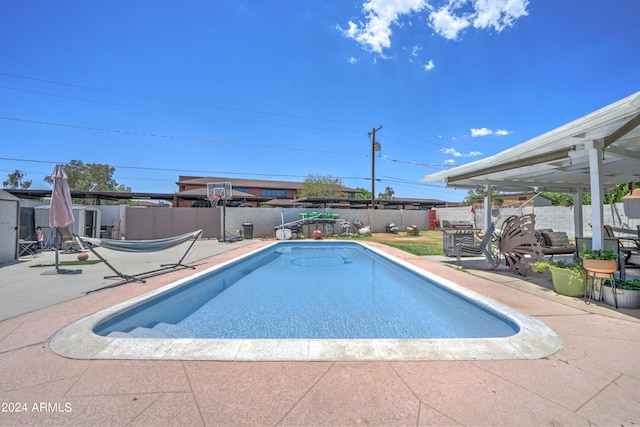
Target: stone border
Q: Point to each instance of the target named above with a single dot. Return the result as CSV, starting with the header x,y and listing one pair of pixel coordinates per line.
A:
x,y
534,340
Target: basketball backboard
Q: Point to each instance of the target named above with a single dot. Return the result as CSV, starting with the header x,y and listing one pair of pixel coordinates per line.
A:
x,y
220,190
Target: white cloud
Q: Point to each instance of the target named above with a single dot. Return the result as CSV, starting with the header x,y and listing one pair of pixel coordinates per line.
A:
x,y
375,34
498,14
351,60
455,153
415,50
446,24
429,65
448,18
480,132
484,132
451,151
449,162
455,16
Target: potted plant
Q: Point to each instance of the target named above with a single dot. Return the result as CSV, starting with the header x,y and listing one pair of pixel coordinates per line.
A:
x,y
600,261
627,293
568,279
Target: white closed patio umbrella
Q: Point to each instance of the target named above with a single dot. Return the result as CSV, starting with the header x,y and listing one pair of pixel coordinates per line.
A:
x,y
60,211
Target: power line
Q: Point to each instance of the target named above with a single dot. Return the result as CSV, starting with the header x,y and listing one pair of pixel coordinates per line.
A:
x,y
430,165
177,101
184,138
169,170
156,98
177,112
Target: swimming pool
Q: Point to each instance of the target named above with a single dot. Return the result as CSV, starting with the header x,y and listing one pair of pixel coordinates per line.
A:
x,y
357,303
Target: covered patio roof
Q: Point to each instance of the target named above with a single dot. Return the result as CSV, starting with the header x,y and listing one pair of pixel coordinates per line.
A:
x,y
591,154
561,160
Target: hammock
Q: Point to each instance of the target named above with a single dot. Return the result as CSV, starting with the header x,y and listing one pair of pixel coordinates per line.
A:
x,y
139,246
142,245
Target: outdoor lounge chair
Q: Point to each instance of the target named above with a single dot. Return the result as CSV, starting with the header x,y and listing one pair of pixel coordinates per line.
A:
x,y
468,245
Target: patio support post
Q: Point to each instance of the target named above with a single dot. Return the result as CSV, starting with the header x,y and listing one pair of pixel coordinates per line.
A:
x,y
487,206
578,223
595,151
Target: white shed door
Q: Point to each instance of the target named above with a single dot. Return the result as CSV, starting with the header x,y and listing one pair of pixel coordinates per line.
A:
x,y
8,230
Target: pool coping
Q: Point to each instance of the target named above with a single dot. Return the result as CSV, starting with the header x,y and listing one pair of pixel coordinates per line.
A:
x,y
534,340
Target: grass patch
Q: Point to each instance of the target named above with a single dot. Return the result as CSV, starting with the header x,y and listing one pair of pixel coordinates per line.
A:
x,y
427,243
66,263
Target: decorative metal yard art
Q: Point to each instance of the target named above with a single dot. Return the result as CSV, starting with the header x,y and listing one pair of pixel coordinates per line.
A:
x,y
518,243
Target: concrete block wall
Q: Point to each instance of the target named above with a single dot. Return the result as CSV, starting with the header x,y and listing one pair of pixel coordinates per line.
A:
x,y
265,219
557,218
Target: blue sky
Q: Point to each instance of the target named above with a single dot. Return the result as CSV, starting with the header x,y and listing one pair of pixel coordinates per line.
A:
x,y
281,90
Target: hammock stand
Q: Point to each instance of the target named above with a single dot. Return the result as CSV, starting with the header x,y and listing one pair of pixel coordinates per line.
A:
x,y
154,245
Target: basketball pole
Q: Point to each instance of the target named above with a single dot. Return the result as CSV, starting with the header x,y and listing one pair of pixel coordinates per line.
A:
x,y
224,220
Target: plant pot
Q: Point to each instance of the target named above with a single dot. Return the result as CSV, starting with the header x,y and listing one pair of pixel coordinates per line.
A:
x,y
603,266
568,282
626,298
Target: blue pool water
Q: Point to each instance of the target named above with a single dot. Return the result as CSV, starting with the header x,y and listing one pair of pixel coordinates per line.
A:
x,y
313,290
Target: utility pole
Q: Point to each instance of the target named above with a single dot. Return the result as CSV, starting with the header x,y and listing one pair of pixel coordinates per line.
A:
x,y
375,146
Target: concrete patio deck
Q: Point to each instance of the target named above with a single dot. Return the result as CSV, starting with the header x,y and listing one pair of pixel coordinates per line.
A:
x,y
593,380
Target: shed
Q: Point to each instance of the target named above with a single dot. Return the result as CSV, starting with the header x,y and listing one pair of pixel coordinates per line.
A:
x,y
9,225
86,220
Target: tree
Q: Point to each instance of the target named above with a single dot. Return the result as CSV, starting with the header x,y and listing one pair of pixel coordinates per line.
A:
x,y
322,186
474,194
387,195
558,198
90,177
363,194
615,195
16,180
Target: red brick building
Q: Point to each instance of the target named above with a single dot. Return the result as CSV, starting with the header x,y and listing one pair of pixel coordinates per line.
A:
x,y
252,192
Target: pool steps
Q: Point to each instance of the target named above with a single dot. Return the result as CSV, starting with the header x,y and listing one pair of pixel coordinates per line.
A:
x,y
161,330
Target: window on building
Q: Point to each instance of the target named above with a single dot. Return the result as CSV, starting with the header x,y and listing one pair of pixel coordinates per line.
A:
x,y
269,192
243,189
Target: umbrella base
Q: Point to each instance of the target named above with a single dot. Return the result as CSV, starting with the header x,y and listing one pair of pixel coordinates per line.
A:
x,y
60,271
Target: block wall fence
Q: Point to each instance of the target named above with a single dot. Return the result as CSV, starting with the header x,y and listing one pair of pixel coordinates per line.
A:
x,y
557,218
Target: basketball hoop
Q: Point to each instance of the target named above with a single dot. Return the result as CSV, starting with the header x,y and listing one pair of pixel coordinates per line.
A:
x,y
217,191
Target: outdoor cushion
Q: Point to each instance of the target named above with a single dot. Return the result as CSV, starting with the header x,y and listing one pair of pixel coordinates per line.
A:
x,y
556,238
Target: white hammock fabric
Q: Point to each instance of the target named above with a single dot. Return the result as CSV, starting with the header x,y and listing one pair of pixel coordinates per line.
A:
x,y
142,245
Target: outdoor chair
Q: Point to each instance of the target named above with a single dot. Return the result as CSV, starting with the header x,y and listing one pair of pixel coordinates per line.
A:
x,y
68,243
27,247
627,245
470,246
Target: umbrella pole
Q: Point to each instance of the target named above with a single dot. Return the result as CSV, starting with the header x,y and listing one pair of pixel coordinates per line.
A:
x,y
57,243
